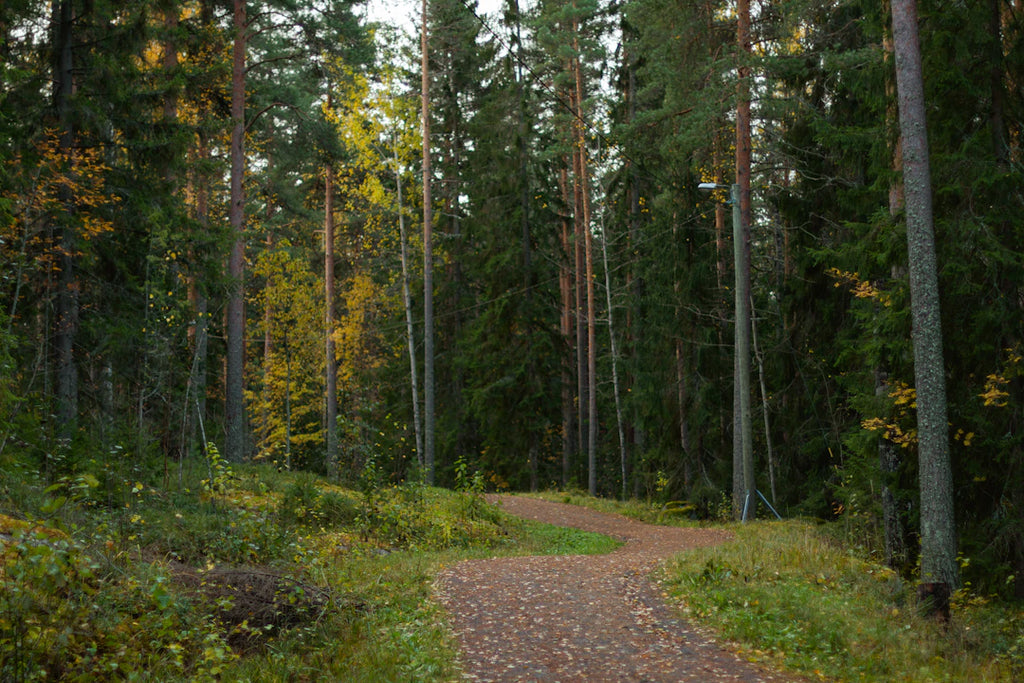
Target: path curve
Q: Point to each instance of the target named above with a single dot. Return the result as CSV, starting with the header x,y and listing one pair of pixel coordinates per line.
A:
x,y
587,618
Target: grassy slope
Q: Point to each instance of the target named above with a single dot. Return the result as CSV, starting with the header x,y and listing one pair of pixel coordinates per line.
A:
x,y
93,587
788,593
118,577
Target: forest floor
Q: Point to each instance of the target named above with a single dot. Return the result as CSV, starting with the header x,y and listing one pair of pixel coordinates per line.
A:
x,y
584,617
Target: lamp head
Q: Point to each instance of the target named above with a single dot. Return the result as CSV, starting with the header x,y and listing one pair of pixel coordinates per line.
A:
x,y
708,187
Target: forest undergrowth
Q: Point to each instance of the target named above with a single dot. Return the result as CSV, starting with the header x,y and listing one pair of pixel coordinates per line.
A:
x,y
237,573
803,596
227,572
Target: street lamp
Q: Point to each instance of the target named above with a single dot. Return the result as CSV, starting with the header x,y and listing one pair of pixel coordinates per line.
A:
x,y
741,378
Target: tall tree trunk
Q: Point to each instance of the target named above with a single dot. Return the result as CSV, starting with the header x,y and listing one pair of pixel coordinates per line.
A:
x,y
287,403
234,380
524,228
997,69
769,452
198,331
742,251
680,378
939,572
331,361
682,398
170,116
588,243
67,302
580,294
896,555
565,327
428,264
619,421
889,454
634,315
452,141
409,328
579,297
265,428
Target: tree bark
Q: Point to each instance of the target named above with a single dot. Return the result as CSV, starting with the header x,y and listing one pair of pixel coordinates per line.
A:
x,y
198,331
428,264
769,453
67,301
619,420
331,361
997,113
524,227
634,316
234,381
889,455
939,572
565,327
409,327
588,253
682,399
742,257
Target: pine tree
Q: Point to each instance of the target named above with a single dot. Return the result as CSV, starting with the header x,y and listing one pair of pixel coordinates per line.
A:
x,y
235,448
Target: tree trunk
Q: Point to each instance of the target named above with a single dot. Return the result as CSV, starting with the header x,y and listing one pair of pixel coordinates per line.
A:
x,y
896,556
684,423
331,361
287,403
579,295
565,327
198,331
524,227
623,458
769,452
939,572
409,328
67,303
234,380
265,429
634,326
742,253
428,265
997,113
588,253
889,455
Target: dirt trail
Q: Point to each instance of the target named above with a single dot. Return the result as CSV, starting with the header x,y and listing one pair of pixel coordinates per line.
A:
x,y
583,618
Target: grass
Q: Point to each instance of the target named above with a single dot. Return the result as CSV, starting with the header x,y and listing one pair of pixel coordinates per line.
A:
x,y
788,594
108,577
112,577
673,512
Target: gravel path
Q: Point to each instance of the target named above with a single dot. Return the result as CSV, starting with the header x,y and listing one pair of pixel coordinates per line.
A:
x,y
583,618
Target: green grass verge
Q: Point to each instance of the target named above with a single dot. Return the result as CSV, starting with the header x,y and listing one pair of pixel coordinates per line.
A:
x,y
786,593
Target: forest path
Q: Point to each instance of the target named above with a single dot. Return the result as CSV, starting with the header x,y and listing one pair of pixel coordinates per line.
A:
x,y
587,618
